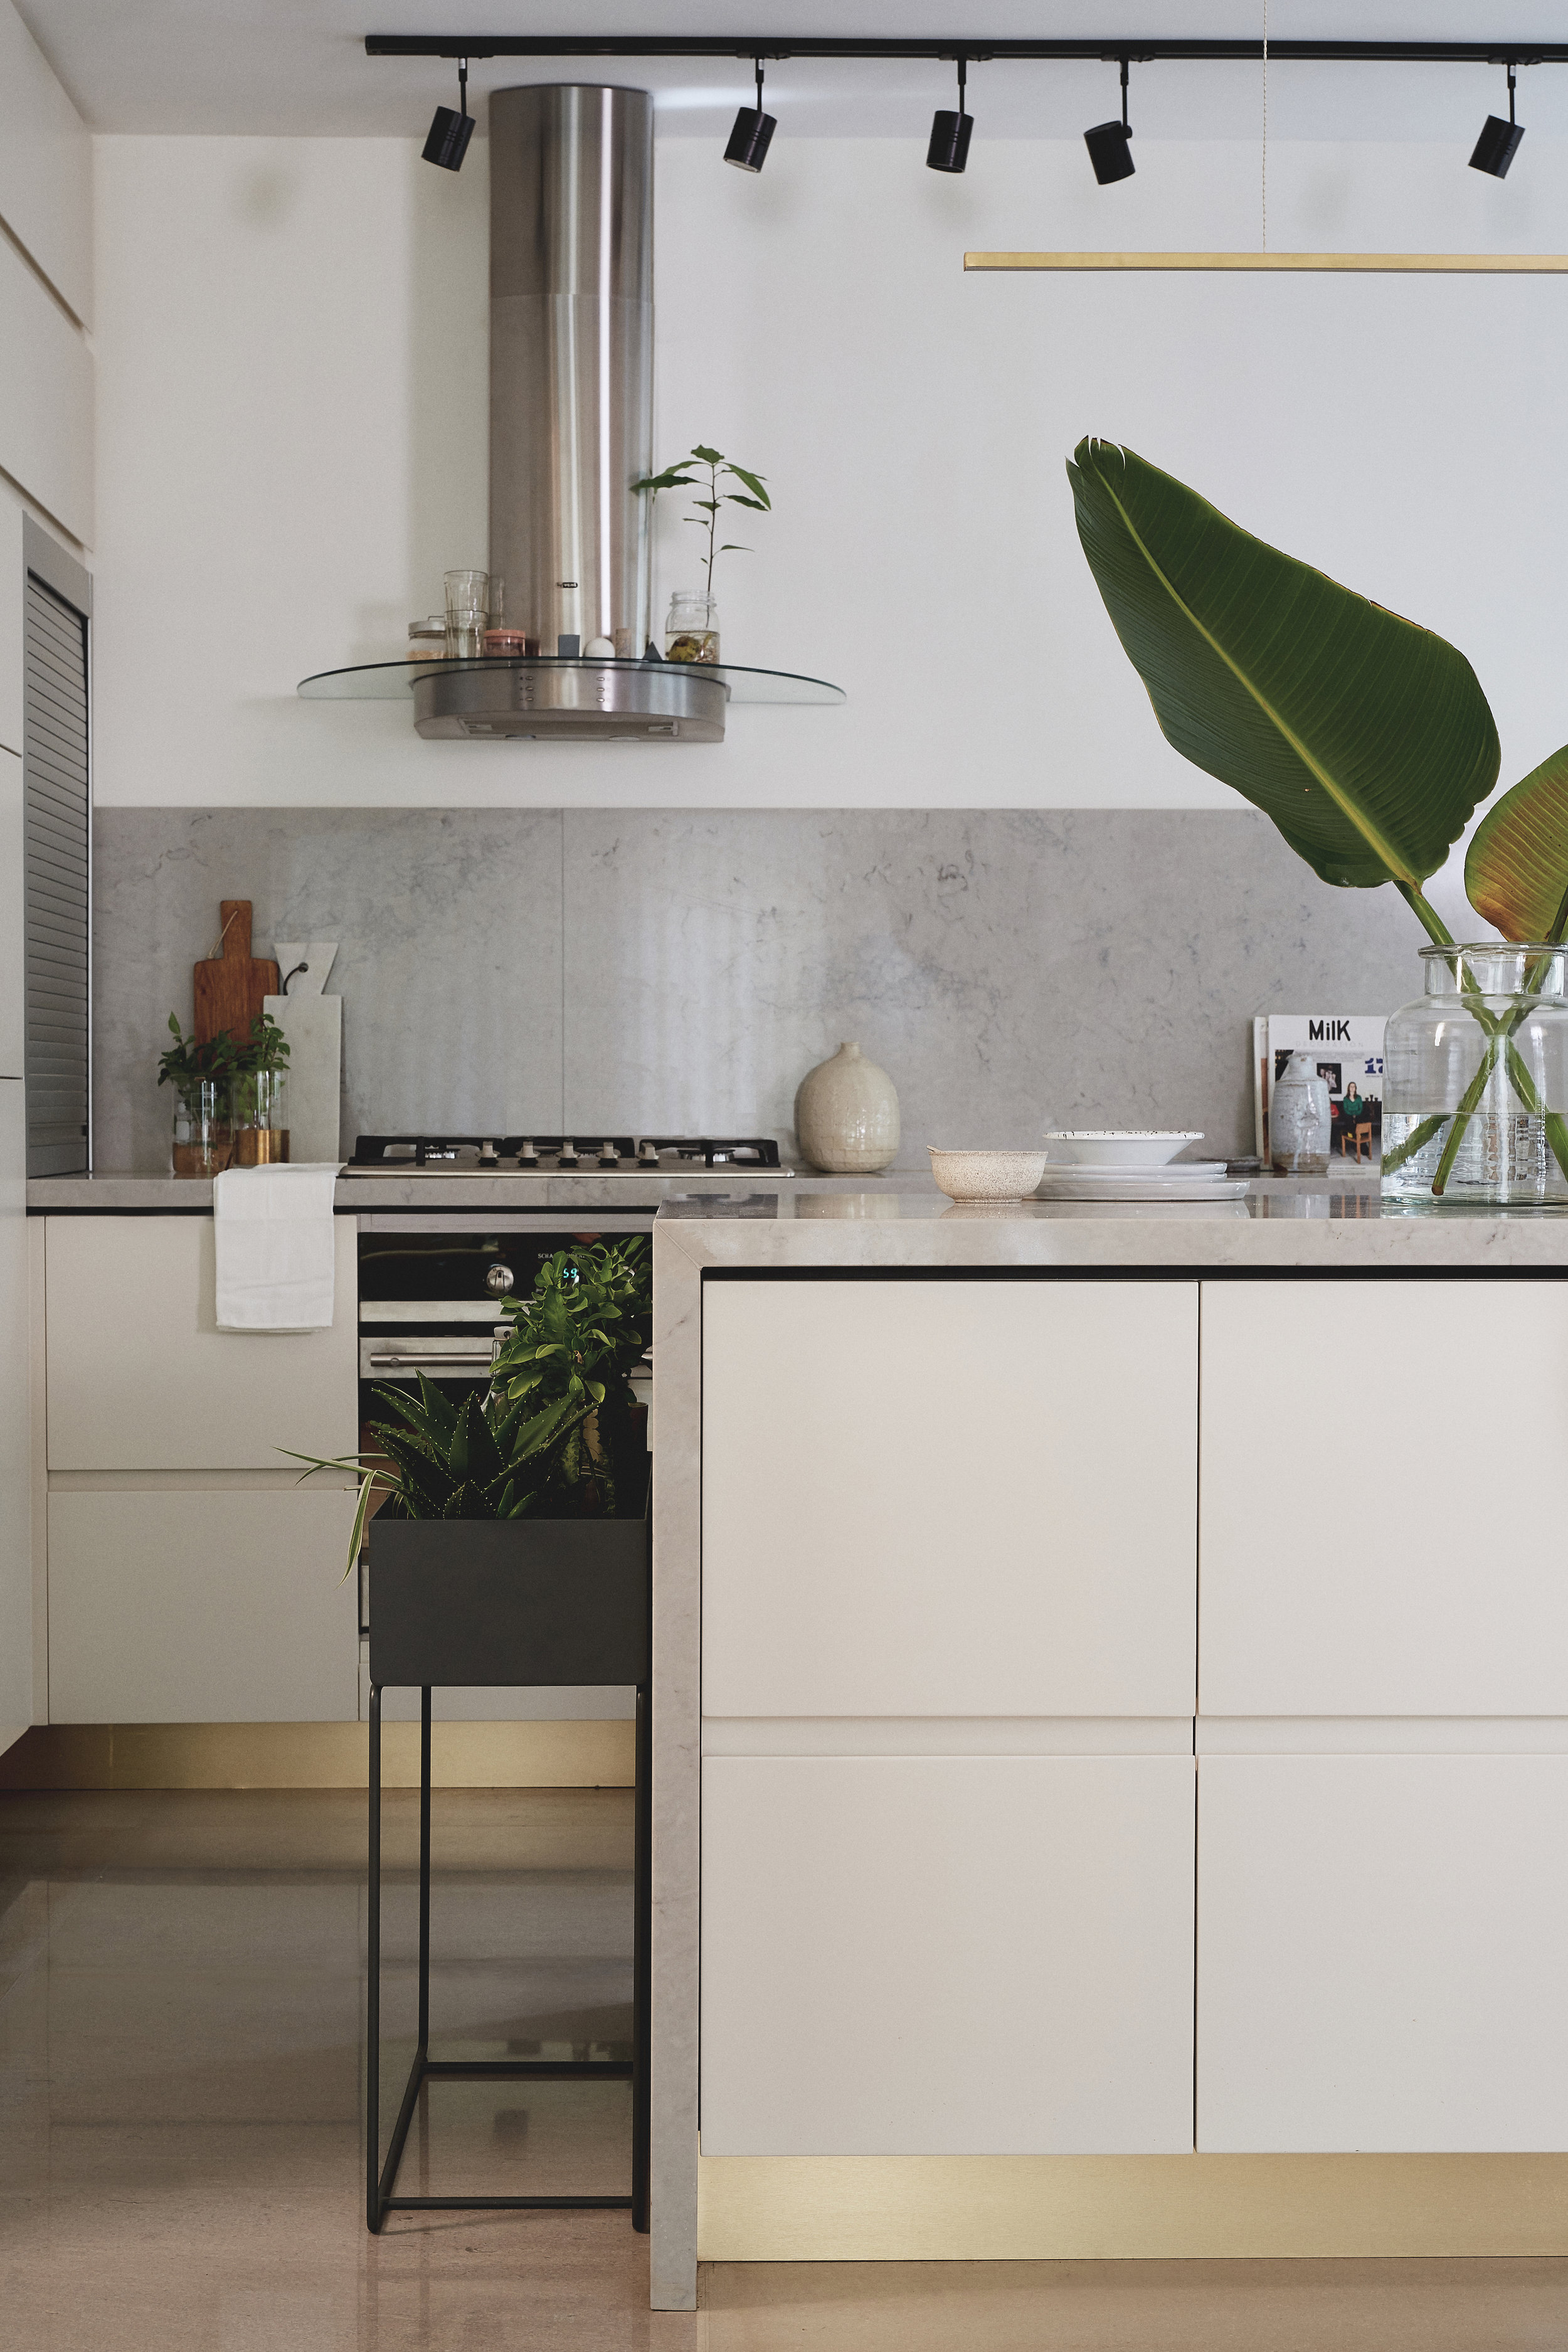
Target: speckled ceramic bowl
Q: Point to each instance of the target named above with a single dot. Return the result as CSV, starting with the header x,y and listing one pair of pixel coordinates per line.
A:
x,y
987,1175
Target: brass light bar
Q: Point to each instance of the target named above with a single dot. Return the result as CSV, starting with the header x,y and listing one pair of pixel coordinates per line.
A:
x,y
1525,265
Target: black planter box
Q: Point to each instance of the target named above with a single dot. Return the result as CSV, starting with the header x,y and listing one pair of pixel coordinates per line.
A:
x,y
504,1601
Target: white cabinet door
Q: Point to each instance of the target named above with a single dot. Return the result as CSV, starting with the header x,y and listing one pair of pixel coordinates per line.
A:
x,y
16,1466
140,1378
1383,1472
1382,1944
947,1955
963,1497
188,1606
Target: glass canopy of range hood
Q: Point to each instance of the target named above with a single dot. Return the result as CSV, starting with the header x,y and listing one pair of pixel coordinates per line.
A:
x,y
385,681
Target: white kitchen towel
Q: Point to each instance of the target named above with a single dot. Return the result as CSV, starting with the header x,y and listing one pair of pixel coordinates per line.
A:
x,y
274,1235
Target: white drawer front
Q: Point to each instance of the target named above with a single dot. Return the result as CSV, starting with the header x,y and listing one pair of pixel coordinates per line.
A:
x,y
962,1499
174,1606
947,1956
140,1378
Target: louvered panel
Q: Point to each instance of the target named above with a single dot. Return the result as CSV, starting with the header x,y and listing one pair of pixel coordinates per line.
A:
x,y
56,789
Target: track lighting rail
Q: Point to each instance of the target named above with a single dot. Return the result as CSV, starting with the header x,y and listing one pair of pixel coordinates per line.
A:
x,y
977,52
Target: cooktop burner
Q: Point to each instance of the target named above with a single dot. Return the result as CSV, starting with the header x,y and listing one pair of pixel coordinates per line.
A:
x,y
559,1155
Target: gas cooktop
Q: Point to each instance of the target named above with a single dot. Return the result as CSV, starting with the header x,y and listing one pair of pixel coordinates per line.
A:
x,y
559,1155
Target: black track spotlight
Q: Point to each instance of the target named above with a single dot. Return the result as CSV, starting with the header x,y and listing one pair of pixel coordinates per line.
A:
x,y
949,149
748,148
1498,143
1108,144
450,133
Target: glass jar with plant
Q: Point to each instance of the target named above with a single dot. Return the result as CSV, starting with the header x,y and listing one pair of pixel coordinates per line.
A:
x,y
557,1435
1370,743
203,1142
691,632
259,1093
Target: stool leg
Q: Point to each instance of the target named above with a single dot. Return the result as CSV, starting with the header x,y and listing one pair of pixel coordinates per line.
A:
x,y
373,2213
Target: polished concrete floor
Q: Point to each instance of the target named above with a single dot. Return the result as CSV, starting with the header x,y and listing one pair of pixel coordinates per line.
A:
x,y
181,2003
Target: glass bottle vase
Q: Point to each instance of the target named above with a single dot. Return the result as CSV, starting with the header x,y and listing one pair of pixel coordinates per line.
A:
x,y
1475,1102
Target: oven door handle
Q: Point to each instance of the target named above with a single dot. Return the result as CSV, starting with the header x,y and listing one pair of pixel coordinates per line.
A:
x,y
471,1362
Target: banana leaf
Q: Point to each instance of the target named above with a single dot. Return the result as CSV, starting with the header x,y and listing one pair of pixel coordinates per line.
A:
x,y
1516,870
1366,738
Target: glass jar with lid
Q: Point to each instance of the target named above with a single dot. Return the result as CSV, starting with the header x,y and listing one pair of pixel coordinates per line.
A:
x,y
428,639
1475,1103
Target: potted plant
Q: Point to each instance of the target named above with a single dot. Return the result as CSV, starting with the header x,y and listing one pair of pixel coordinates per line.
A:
x,y
1370,743
507,1537
691,632
200,1075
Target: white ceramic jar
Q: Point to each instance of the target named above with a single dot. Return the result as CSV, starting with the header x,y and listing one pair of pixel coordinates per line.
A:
x,y
846,1116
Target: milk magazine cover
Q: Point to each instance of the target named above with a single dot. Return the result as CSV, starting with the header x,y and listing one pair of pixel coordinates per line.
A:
x,y
1346,1049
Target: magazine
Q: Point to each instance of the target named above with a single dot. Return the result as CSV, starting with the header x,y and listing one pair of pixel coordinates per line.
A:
x,y
1347,1048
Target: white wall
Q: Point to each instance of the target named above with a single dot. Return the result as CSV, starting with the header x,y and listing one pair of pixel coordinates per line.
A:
x,y
293,343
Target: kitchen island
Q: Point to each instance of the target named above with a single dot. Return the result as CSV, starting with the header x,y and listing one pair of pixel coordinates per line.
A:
x,y
1111,1731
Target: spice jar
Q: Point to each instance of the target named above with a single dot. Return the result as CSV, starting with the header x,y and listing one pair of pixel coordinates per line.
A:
x,y
691,632
509,644
428,639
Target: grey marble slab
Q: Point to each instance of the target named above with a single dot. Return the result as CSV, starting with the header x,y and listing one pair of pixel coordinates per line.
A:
x,y
680,971
448,924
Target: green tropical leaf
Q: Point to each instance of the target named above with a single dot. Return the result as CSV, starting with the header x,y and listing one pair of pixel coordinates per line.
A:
x,y
1516,869
708,456
734,498
1366,738
753,483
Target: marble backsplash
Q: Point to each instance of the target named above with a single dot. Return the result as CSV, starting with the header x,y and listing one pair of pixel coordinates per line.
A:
x,y
579,970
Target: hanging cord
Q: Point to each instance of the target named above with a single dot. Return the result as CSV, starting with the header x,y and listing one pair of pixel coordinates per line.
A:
x,y
463,87
1510,93
1265,181
758,64
1125,124
963,72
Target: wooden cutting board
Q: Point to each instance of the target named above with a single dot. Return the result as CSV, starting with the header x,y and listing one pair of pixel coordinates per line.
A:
x,y
230,986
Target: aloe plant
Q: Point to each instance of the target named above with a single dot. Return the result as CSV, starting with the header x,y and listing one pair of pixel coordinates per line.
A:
x,y
1367,738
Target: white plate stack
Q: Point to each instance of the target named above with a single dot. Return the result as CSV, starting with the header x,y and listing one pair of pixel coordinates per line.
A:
x,y
1126,1165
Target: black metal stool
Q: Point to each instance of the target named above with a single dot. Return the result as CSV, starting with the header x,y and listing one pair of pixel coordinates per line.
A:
x,y
497,1604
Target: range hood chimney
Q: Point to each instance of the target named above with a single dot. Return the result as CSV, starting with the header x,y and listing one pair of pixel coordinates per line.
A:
x,y
572,428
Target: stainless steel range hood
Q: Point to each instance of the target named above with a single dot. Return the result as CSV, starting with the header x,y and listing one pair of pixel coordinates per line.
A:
x,y
572,428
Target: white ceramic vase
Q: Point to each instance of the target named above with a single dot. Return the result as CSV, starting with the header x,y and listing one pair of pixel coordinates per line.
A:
x,y
846,1116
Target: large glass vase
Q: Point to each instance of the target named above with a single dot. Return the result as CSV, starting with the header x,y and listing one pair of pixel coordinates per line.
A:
x,y
1475,1104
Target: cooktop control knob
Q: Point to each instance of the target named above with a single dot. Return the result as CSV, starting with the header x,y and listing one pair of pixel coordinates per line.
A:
x,y
488,1153
647,1153
608,1156
527,1153
498,1278
567,1156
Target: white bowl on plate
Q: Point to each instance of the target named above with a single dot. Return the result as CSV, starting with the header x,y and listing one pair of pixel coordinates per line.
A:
x,y
1116,1147
1006,1176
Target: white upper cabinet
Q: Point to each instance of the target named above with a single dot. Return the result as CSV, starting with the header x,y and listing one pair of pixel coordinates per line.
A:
x,y
947,1956
1383,1472
45,167
140,1378
45,399
928,1497
1383,1944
